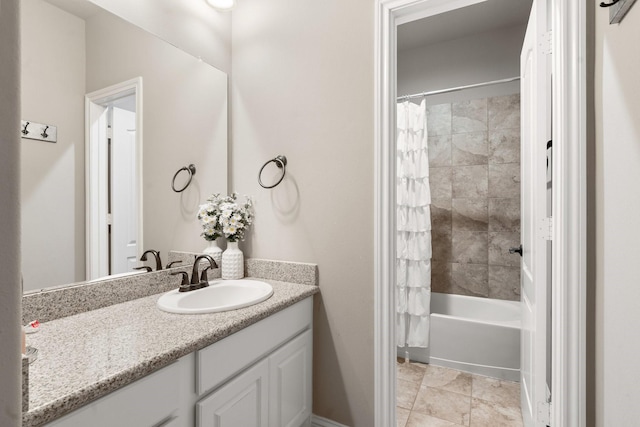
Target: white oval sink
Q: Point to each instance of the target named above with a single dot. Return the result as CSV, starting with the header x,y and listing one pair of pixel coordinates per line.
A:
x,y
221,295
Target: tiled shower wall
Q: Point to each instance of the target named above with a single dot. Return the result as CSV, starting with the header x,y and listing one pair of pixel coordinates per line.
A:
x,y
474,159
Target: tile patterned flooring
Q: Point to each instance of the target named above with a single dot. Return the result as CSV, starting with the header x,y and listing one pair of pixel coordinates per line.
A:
x,y
432,396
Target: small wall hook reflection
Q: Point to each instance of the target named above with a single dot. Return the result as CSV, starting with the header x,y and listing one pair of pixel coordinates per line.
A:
x,y
24,130
44,133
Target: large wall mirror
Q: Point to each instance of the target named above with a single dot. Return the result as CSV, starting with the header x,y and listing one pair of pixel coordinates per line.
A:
x,y
87,71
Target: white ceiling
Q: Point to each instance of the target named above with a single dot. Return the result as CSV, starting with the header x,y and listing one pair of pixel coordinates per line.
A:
x,y
474,19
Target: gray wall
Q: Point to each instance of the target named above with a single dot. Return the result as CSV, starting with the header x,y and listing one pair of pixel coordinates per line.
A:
x,y
303,87
479,58
52,175
617,207
474,175
10,292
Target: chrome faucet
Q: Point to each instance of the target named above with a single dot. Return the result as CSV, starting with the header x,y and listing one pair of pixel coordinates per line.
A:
x,y
156,255
196,282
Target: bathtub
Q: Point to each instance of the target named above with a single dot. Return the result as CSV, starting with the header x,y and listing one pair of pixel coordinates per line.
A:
x,y
471,334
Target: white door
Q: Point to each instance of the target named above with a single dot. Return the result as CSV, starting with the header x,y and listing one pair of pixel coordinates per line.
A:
x,y
124,197
536,131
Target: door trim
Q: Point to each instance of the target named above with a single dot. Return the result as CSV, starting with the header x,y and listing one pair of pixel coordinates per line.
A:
x,y
93,245
569,205
569,270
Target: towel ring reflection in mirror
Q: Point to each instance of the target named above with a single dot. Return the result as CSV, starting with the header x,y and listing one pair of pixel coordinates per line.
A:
x,y
191,170
281,163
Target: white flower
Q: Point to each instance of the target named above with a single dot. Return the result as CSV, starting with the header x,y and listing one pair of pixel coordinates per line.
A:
x,y
224,215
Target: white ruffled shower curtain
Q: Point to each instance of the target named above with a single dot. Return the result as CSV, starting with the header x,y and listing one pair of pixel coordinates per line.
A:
x,y
413,256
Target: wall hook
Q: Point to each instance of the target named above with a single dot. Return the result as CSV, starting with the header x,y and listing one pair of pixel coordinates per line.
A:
x,y
41,131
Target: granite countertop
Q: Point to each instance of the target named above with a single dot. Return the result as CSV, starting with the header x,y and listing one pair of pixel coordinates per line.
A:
x,y
85,356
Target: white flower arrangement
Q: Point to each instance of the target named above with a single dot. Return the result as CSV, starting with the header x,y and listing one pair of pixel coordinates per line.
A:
x,y
224,216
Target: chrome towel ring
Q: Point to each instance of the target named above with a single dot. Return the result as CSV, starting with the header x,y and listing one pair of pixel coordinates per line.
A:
x,y
281,163
191,170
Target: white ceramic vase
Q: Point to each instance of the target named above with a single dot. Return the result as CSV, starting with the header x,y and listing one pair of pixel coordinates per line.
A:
x,y
214,251
232,262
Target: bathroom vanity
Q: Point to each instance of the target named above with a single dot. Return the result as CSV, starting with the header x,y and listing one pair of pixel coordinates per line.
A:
x,y
259,376
132,364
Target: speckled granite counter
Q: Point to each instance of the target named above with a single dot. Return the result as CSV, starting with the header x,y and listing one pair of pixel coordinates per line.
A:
x,y
85,356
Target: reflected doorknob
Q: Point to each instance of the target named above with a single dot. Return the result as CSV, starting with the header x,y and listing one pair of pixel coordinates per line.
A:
x,y
516,250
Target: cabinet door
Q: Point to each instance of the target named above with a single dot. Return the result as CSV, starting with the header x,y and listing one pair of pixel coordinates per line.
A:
x,y
241,402
290,383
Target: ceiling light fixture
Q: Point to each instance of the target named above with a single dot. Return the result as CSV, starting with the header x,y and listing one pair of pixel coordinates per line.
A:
x,y
221,4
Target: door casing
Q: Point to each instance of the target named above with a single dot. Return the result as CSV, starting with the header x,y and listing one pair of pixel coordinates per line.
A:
x,y
96,239
569,68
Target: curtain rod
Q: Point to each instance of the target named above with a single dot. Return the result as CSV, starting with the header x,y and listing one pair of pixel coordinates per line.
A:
x,y
455,89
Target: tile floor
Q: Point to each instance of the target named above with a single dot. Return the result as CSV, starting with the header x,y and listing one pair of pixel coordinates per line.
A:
x,y
432,396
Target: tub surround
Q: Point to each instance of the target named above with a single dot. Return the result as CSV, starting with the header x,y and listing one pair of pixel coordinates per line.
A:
x,y
474,161
92,353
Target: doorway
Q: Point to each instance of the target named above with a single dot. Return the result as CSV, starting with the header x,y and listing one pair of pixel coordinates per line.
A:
x,y
462,70
114,179
567,357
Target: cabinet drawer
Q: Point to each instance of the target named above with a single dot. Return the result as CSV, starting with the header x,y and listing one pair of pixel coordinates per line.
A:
x,y
224,359
145,403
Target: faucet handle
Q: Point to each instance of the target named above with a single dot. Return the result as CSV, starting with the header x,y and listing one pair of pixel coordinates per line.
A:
x,y
184,286
203,275
172,263
144,267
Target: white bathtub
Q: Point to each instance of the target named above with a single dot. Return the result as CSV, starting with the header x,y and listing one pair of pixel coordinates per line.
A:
x,y
471,334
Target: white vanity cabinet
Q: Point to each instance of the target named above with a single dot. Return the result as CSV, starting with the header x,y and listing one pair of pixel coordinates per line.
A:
x,y
259,376
275,390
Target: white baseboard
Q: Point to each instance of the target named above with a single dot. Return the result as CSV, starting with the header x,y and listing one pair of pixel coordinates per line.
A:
x,y
317,421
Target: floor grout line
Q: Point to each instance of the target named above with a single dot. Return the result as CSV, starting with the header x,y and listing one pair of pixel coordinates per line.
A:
x,y
470,397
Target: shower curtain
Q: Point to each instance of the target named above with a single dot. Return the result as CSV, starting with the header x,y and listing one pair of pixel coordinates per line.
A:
x,y
413,219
